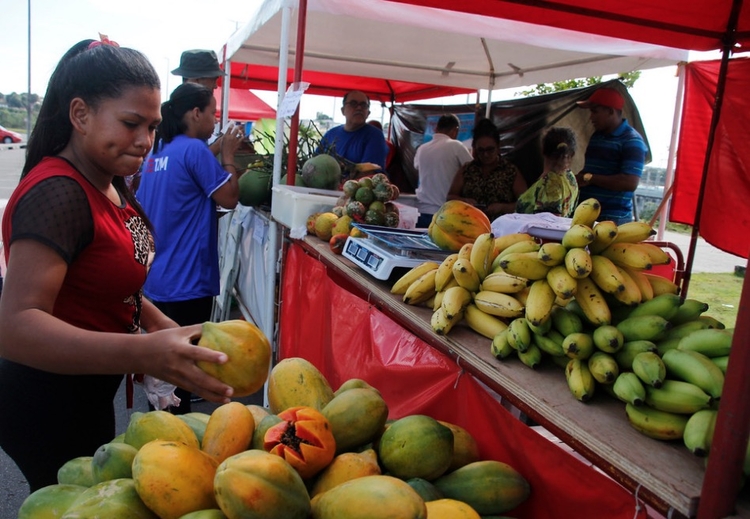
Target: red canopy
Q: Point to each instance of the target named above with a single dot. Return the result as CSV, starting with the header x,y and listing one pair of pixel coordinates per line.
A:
x,y
685,24
244,105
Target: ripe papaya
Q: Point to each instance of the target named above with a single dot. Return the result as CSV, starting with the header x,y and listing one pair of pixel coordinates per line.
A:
x,y
241,478
357,417
248,350
489,487
465,447
296,382
450,509
345,467
229,431
457,222
174,478
370,497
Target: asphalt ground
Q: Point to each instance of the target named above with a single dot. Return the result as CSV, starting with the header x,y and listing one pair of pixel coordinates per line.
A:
x,y
13,486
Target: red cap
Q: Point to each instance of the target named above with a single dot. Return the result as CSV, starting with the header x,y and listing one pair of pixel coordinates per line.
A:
x,y
604,97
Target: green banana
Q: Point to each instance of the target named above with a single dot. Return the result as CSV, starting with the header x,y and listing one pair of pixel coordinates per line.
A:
x,y
710,342
629,388
500,348
532,357
644,327
608,338
542,328
696,368
711,322
603,367
656,424
689,310
578,345
519,335
625,355
580,381
676,396
663,305
650,368
548,345
685,329
699,431
565,321
721,362
666,345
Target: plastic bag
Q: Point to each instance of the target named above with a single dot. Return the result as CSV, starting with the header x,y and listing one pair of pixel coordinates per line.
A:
x,y
159,393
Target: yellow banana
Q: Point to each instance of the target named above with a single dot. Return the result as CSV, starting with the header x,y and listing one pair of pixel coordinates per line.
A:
x,y
695,368
483,323
532,357
540,302
658,255
500,348
422,289
578,345
497,304
524,264
640,280
521,246
587,212
578,262
603,367
465,275
649,367
629,388
552,253
580,381
437,300
578,235
604,234
465,251
677,396
608,338
661,285
633,232
523,295
632,295
481,255
454,301
440,322
656,424
430,303
592,302
504,283
562,283
445,271
628,255
604,273
503,242
400,286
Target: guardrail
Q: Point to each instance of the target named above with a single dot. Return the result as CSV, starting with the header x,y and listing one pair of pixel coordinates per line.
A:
x,y
12,146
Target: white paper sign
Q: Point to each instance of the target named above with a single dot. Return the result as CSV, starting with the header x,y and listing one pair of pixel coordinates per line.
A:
x,y
292,98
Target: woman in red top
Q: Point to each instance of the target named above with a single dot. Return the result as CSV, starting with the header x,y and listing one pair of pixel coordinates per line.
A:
x,y
78,247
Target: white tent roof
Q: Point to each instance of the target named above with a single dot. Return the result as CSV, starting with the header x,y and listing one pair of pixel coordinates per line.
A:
x,y
381,39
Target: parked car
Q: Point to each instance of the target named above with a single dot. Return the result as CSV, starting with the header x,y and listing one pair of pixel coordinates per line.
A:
x,y
8,137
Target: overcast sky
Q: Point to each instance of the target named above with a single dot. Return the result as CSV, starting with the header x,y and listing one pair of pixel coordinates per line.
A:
x,y
162,29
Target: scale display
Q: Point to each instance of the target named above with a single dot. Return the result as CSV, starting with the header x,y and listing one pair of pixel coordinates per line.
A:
x,y
386,248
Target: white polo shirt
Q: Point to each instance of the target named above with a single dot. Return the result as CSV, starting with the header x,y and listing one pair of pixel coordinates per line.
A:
x,y
437,162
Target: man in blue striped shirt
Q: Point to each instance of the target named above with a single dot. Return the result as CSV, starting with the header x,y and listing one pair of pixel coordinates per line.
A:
x,y
615,157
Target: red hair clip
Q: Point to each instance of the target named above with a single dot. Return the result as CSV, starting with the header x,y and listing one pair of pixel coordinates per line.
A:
x,y
104,40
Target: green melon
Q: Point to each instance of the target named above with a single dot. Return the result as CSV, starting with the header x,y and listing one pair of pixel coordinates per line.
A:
x,y
255,187
322,172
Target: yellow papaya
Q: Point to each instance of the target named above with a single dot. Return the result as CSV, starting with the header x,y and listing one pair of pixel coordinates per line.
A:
x,y
296,382
450,509
456,221
345,467
229,431
465,447
158,425
370,497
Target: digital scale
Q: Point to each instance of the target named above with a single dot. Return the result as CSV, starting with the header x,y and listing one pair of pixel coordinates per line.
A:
x,y
386,248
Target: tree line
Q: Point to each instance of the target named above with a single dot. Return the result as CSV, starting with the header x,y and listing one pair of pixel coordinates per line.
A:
x,y
13,109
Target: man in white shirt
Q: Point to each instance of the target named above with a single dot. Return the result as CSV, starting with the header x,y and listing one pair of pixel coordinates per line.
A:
x,y
437,162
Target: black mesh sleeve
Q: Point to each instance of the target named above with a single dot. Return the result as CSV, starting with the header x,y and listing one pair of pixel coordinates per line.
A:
x,y
55,212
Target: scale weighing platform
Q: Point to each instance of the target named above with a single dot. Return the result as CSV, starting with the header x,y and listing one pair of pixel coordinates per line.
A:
x,y
386,248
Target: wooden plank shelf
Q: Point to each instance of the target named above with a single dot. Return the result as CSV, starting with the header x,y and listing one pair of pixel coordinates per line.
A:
x,y
663,474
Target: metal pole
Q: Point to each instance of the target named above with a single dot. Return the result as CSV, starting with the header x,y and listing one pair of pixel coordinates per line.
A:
x,y
291,169
28,75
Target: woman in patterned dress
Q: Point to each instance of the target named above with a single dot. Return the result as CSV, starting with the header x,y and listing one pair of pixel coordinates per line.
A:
x,y
489,182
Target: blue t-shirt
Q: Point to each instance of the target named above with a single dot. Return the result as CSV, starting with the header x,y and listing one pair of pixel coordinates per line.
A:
x,y
622,151
175,191
366,144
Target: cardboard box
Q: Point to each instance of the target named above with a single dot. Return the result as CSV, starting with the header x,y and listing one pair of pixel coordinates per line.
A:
x,y
291,205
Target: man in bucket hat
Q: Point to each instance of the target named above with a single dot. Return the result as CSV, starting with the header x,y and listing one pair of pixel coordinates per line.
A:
x,y
614,159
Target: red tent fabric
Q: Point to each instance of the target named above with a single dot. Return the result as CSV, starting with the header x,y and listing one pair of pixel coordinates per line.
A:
x,y
261,77
725,221
244,105
683,24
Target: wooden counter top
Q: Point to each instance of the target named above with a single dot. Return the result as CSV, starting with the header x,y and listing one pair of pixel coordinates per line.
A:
x,y
664,474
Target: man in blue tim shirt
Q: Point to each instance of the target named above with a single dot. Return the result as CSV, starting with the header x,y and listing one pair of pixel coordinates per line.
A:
x,y
355,140
615,157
